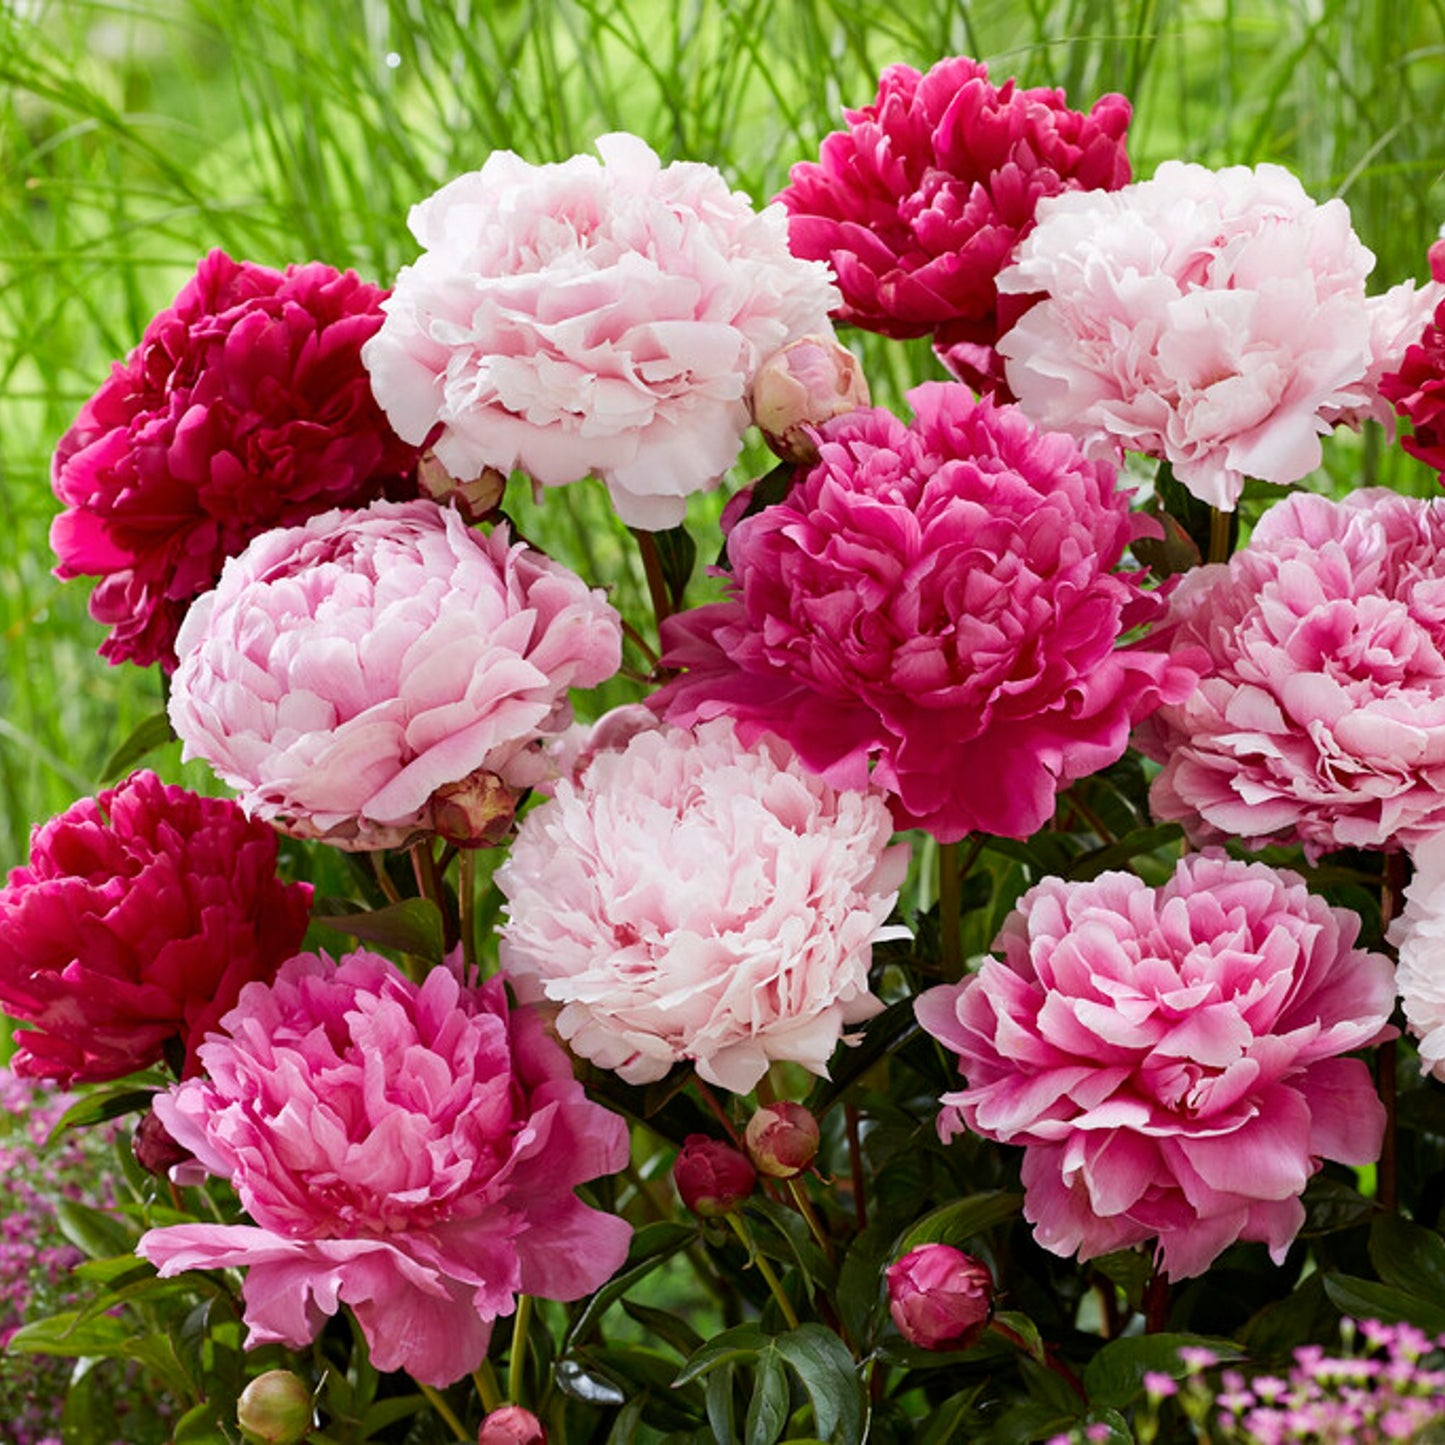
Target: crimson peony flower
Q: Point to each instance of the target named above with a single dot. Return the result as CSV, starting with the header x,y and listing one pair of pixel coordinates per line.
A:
x,y
245,407
940,1298
1169,1058
712,1178
919,204
142,913
1417,386
938,600
408,1150
1320,717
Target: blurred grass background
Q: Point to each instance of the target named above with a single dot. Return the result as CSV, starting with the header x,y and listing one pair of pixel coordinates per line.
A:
x,y
136,136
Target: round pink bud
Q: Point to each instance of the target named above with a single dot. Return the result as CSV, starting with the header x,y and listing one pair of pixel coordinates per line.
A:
x,y
808,382
712,1178
940,1298
275,1409
476,498
512,1425
782,1139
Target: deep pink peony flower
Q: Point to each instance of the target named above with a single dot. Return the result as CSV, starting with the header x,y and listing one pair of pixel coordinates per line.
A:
x,y
690,898
511,1425
592,318
1419,934
1170,1058
139,918
1217,319
344,672
1415,382
940,600
919,204
940,1298
245,407
408,1150
712,1178
1320,718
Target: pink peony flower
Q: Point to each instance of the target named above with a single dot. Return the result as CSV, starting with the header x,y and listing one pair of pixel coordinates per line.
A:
x,y
940,1298
1170,1058
690,898
920,203
245,407
408,1150
797,389
1415,383
1217,319
592,318
938,600
344,672
1320,718
141,915
1419,934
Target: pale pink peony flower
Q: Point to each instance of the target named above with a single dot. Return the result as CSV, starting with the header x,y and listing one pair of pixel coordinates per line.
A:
x,y
690,898
592,317
1320,717
938,601
1419,934
1217,319
408,1150
345,671
1169,1058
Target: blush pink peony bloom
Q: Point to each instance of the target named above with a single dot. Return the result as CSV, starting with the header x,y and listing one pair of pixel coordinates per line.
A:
x,y
1170,1058
1217,319
141,915
690,898
919,204
1419,934
592,317
245,407
344,672
1320,717
938,600
408,1150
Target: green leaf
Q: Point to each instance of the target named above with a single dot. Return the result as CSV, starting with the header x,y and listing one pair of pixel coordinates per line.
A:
x,y
950,1422
739,1345
800,1247
626,1427
200,1425
768,1409
883,1035
667,1326
96,1108
67,1335
1115,1376
832,1379
152,733
1331,1204
1025,1329
389,1411
678,554
956,1222
859,1297
95,1234
721,1413
1408,1256
412,926
1125,850
1365,1299
651,1245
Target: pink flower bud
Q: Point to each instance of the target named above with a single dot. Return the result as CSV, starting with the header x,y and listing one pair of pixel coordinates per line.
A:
x,y
711,1177
274,1409
782,1139
475,812
808,382
940,1298
511,1425
476,499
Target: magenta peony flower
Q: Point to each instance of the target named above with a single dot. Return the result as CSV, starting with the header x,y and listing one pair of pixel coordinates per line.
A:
x,y
139,918
1415,383
408,1150
1217,319
1170,1058
690,898
1419,934
1321,715
939,600
245,407
344,672
940,1298
919,204
592,318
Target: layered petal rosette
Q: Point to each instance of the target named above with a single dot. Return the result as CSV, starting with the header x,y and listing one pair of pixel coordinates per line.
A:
x,y
140,916
691,898
920,202
592,317
408,1150
1415,382
939,602
1419,935
348,676
1216,319
245,407
1169,1059
1320,717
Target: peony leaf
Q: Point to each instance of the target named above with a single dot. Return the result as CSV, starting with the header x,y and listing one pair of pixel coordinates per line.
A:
x,y
955,1419
95,1234
830,1376
859,1299
154,732
678,554
954,1223
666,1326
739,1345
97,1107
882,1035
64,1334
1408,1256
1125,850
651,1245
1115,1376
768,1409
412,926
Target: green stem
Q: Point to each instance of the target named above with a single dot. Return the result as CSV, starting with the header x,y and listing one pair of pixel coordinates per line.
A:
x,y
484,1377
950,913
443,1409
740,1228
1219,525
517,1361
466,908
805,1208
1387,1174
855,1165
383,878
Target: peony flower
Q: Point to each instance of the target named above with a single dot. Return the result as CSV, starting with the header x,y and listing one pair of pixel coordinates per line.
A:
x,y
407,1149
808,382
245,407
1170,1058
511,1425
920,203
345,672
1415,382
939,601
1216,319
782,1139
591,318
711,1177
940,1298
1320,718
690,898
139,918
1419,934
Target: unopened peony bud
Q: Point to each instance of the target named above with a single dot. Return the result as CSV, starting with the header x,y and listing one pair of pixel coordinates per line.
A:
x,y
782,1139
808,382
476,499
512,1425
475,812
274,1409
711,1177
940,1298
155,1151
